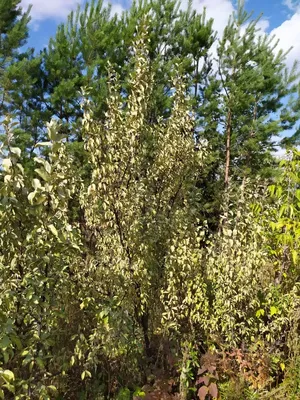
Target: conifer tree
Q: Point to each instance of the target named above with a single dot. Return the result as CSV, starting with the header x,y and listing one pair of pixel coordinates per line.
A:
x,y
92,39
90,306
13,35
251,83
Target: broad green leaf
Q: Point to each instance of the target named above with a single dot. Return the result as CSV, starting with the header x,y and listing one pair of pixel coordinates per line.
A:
x,y
8,375
5,356
48,167
9,387
21,168
16,340
53,230
53,389
40,199
31,196
40,362
260,312
273,310
86,374
6,164
43,144
16,150
4,342
36,184
42,173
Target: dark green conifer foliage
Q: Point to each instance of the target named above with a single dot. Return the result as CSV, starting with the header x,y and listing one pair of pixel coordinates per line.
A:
x,y
92,39
13,35
19,79
88,44
252,82
238,95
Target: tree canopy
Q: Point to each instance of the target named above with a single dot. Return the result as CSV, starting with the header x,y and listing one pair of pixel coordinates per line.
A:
x,y
149,235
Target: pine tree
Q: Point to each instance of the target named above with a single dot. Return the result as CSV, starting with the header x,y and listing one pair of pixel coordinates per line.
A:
x,y
252,81
13,35
93,39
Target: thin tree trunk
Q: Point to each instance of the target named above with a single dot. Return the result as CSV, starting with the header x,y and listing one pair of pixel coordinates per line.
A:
x,y
252,134
144,321
183,386
254,118
196,78
228,144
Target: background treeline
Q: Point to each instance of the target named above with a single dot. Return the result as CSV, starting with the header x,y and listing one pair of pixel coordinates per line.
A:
x,y
149,236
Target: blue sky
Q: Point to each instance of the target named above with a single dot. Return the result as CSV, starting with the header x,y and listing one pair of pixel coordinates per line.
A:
x,y
281,17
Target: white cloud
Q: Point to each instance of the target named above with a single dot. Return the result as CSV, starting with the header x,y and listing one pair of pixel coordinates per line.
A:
x,y
43,9
59,9
280,153
263,24
288,34
219,10
291,4
116,8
